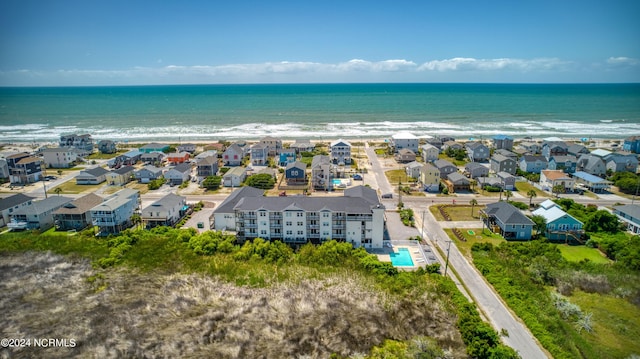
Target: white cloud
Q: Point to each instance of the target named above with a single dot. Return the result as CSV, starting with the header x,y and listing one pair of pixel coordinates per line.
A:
x,y
623,61
471,64
465,69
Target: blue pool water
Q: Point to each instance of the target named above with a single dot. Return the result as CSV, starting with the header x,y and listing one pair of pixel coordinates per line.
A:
x,y
336,182
402,258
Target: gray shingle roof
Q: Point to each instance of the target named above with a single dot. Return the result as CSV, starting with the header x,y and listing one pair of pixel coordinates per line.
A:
x,y
13,200
507,214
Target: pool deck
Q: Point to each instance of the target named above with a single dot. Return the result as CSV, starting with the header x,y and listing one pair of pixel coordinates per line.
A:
x,y
415,251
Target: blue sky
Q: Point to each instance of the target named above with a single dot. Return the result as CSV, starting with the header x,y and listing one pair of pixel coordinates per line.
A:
x,y
113,42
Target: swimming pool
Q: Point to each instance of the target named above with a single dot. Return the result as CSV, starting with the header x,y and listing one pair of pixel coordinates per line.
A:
x,y
336,182
401,258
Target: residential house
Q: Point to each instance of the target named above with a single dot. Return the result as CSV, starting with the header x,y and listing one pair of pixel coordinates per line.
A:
x,y
82,143
4,168
321,173
533,163
632,144
76,215
187,147
405,155
501,163
622,163
107,146
444,139
566,164
24,168
153,158
429,152
475,170
507,220
453,145
224,216
549,179
114,214
204,154
591,164
529,147
561,226
120,176
508,180
207,166
234,177
340,152
602,153
178,157
219,147
506,153
154,147
430,178
259,154
405,140
357,218
435,142
503,142
94,175
61,157
274,145
591,182
148,173
295,173
128,158
12,203
178,174
445,167
477,151
302,146
232,156
413,169
167,211
457,182
554,148
39,215
577,150
287,155
629,214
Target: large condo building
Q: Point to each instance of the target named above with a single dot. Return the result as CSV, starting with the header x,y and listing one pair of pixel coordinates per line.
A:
x,y
356,218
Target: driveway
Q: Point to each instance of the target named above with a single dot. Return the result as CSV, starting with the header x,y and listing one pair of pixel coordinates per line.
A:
x,y
397,230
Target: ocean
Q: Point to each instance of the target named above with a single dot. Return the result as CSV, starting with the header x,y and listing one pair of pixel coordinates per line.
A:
x,y
200,113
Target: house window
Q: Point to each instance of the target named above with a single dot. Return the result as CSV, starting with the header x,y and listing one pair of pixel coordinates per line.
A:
x,y
300,223
299,214
300,233
289,232
288,223
263,214
263,232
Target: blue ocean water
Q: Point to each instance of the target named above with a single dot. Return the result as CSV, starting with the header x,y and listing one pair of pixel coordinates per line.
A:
x,y
316,111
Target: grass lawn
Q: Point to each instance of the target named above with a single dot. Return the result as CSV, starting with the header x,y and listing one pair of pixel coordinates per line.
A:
x,y
457,212
578,253
615,324
395,176
524,187
477,237
455,162
72,188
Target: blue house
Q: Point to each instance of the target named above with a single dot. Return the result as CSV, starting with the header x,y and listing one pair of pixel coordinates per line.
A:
x,y
533,163
287,156
632,144
295,173
629,214
565,163
561,226
507,220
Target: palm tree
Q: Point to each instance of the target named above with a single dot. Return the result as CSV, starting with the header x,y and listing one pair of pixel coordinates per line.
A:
x,y
508,194
57,191
557,189
473,203
136,220
531,194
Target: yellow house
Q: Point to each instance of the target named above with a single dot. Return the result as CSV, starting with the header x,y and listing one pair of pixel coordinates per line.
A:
x,y
430,178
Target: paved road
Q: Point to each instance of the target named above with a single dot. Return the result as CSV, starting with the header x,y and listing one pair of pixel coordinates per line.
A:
x,y
520,338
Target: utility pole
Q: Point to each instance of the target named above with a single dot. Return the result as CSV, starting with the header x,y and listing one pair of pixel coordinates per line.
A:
x,y
636,195
446,266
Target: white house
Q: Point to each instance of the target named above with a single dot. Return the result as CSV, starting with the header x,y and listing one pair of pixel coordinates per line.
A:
x,y
166,211
234,177
114,214
178,174
429,152
405,140
62,157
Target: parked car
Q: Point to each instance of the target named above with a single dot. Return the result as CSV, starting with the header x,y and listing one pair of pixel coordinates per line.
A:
x,y
357,177
387,195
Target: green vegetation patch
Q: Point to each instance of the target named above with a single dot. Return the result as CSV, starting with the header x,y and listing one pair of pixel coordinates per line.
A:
x,y
580,253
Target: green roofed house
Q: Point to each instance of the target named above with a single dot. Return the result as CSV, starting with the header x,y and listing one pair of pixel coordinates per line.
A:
x,y
154,147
